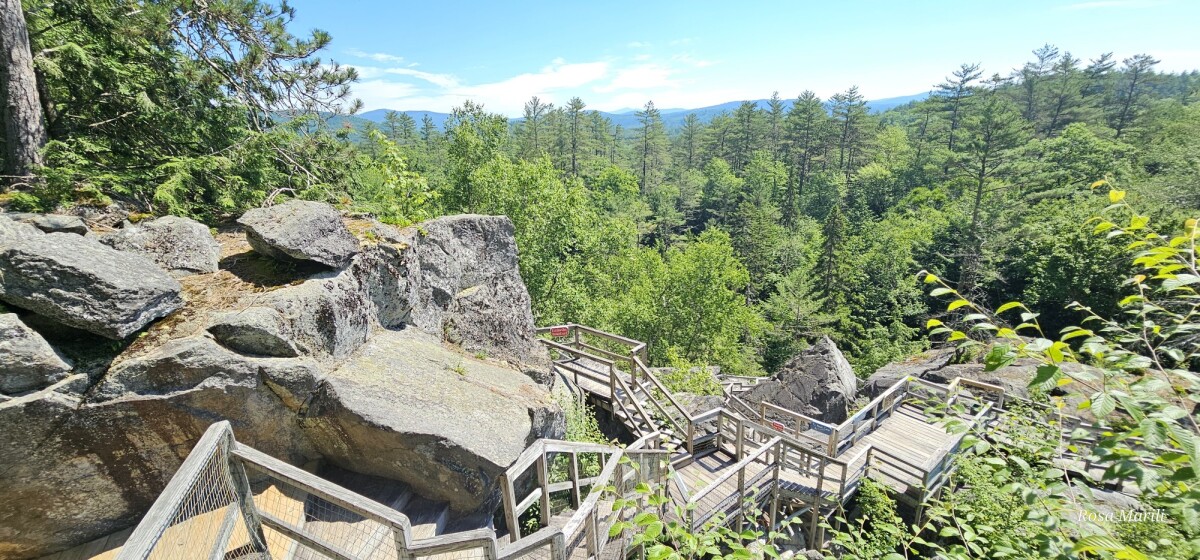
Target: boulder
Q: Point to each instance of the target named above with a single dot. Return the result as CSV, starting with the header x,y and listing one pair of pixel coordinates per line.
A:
x,y
53,223
13,231
300,230
27,362
256,330
349,366
917,366
73,469
406,407
818,382
179,245
465,285
81,283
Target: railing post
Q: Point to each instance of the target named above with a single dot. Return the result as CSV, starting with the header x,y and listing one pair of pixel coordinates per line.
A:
x,y
510,508
740,445
575,334
741,508
558,547
612,383
573,468
833,440
720,423
691,437
543,474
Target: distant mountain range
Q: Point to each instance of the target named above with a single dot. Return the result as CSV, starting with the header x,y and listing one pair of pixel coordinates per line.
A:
x,y
627,118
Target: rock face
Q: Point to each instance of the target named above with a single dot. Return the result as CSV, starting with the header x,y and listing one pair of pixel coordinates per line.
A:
x,y
81,283
27,362
363,418
299,230
937,366
53,223
179,245
464,283
12,231
256,330
372,367
818,382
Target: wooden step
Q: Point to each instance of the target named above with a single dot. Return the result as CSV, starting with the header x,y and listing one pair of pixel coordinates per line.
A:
x,y
428,517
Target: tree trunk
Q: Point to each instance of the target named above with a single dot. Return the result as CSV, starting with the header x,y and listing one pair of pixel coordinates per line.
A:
x,y
24,122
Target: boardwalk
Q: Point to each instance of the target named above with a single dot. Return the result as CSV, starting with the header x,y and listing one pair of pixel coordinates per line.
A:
x,y
740,463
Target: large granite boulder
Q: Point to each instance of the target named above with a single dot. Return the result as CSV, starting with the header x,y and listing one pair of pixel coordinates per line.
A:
x,y
181,246
53,223
81,283
300,230
74,468
261,331
464,284
406,407
363,367
12,231
919,366
27,362
818,382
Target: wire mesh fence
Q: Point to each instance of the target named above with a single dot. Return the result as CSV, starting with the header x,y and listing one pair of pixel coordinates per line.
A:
x,y
201,513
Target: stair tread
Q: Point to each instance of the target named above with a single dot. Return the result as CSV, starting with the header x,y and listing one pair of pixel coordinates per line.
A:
x,y
428,518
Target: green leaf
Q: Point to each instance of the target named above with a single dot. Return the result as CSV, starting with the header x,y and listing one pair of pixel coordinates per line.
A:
x,y
1046,377
956,335
932,323
936,292
1007,306
1115,196
1103,404
957,304
930,278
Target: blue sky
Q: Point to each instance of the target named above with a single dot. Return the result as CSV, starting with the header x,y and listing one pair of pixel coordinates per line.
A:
x,y
615,55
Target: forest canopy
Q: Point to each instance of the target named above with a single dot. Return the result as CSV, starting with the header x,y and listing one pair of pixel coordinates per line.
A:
x,y
731,241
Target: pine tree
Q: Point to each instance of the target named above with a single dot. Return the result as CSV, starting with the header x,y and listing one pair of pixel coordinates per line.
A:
x,y
834,232
849,112
1136,72
531,129
652,146
953,93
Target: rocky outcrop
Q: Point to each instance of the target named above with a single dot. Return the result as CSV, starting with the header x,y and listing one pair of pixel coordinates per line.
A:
x,y
299,230
256,330
13,231
939,366
464,283
81,283
53,223
407,408
27,362
179,245
377,367
818,382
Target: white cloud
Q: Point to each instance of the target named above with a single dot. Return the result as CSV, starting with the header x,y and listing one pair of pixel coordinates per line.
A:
x,y
645,76
377,57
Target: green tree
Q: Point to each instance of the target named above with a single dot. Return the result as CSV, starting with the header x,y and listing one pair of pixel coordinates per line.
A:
x,y
652,146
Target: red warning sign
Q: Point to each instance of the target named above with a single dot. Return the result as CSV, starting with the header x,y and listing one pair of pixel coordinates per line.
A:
x,y
559,332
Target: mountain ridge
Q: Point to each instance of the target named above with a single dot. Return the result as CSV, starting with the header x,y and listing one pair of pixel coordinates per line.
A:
x,y
627,118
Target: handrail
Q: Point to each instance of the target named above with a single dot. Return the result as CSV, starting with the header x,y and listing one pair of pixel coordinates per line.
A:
x,y
740,465
658,384
161,514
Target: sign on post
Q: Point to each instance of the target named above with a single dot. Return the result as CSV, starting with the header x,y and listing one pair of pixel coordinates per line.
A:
x,y
559,332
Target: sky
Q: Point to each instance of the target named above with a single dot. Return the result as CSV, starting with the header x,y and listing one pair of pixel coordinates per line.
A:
x,y
618,55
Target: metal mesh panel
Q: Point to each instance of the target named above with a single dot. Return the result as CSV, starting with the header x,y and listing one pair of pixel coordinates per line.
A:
x,y
320,520
208,521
